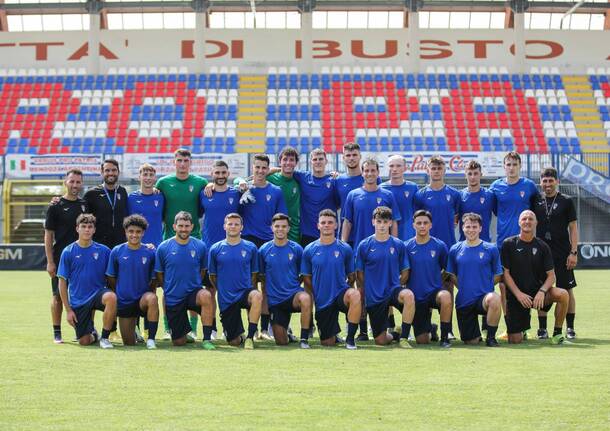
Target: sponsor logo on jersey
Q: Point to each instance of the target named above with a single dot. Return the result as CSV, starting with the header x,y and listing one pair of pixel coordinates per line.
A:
x,y
125,257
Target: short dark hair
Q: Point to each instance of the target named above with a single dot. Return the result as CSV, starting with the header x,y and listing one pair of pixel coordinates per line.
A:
x,y
288,151
85,218
549,172
234,215
436,160
220,163
351,146
370,161
472,217
424,213
112,162
183,215
512,155
135,220
280,216
327,213
473,165
382,213
74,172
183,152
261,157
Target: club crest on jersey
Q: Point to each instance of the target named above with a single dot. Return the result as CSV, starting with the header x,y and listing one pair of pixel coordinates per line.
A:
x,y
448,197
290,256
432,253
406,194
534,251
82,207
243,253
328,184
118,197
522,193
391,250
268,197
336,254
156,203
231,201
378,201
294,190
95,255
144,260
191,188
193,254
554,206
482,201
481,254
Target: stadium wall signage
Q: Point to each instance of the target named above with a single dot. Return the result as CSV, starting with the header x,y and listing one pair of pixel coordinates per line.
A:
x,y
255,50
201,164
594,255
25,166
588,178
22,257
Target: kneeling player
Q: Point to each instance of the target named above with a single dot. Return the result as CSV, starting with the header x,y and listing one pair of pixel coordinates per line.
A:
x,y
382,269
233,264
475,269
81,274
131,275
180,265
328,273
428,260
529,276
279,266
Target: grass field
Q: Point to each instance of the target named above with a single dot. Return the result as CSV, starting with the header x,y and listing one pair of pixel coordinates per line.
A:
x,y
533,386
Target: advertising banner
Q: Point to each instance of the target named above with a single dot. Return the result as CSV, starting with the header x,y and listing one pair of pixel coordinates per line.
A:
x,y
590,180
594,255
24,166
22,257
201,163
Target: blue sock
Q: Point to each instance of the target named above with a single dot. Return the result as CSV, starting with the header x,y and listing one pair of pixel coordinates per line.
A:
x,y
406,329
304,334
207,333
445,329
351,332
252,327
152,330
105,333
265,322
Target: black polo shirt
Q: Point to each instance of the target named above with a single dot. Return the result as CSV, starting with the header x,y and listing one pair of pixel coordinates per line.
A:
x,y
109,212
528,262
61,219
553,220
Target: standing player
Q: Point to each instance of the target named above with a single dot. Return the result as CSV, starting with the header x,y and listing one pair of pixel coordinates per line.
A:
x,y
558,227
350,180
476,199
59,232
289,159
148,204
404,194
529,277
328,273
130,274
279,266
82,284
475,268
233,264
382,269
428,259
181,191
180,265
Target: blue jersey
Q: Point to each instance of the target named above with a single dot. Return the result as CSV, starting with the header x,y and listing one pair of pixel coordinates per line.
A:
x,y
133,270
512,200
443,204
83,269
257,216
317,194
427,264
404,195
359,208
281,266
328,265
475,268
181,265
215,209
381,263
233,266
482,203
151,207
343,185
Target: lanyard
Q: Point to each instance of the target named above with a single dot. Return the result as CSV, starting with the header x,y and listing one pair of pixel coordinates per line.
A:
x,y
111,202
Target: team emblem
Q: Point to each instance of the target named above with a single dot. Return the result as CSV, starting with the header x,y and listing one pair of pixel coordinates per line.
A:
x,y
144,259
432,253
481,254
391,250
95,255
336,254
268,197
534,251
406,194
193,254
290,256
522,193
328,184
448,197
191,188
554,206
82,207
378,201
156,203
231,201
243,253
294,190
482,201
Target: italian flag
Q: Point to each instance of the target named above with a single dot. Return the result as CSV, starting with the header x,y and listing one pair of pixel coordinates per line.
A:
x,y
17,165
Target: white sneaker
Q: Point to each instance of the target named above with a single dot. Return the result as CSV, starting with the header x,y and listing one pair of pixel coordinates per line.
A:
x,y
350,346
214,335
105,343
167,336
450,336
264,335
191,337
150,344
139,337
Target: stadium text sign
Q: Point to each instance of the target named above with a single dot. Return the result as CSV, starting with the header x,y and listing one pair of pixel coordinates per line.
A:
x,y
201,163
594,255
22,257
587,178
18,166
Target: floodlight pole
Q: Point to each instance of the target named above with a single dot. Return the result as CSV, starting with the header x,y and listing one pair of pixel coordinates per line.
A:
x,y
413,35
519,7
94,8
201,17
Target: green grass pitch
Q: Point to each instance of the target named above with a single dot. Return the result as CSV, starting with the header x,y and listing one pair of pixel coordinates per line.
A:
x,y
533,386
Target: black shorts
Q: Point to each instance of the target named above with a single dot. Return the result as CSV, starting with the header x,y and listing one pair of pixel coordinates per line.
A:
x,y
177,316
83,313
467,318
230,317
128,311
55,286
422,322
281,313
327,318
257,241
378,313
564,277
518,317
